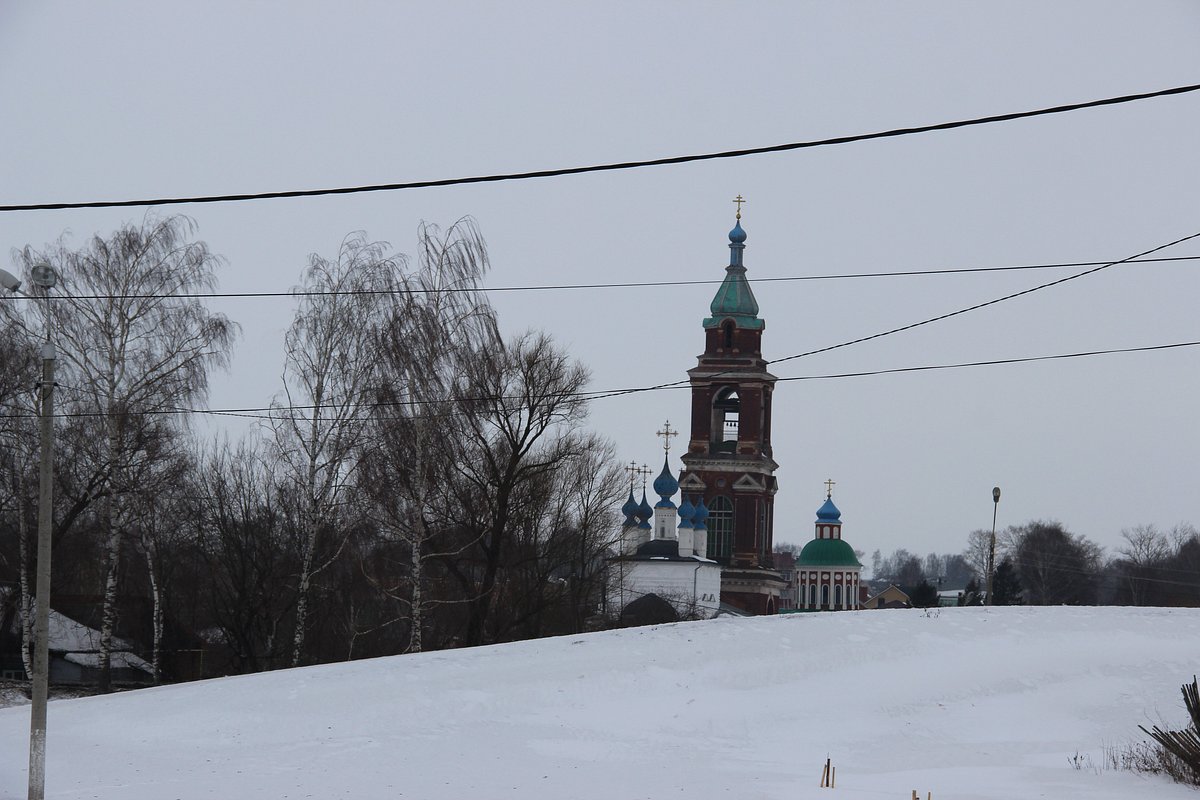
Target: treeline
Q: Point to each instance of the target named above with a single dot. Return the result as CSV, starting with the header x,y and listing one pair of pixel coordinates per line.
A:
x,y
1042,563
421,481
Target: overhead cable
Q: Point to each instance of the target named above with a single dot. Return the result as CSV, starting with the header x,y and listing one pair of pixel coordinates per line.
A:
x,y
280,411
590,286
623,165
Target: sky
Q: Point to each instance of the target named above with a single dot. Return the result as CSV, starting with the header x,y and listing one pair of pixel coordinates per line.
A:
x,y
1017,702
146,99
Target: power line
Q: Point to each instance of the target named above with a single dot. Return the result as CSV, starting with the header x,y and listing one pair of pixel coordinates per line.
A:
x,y
987,303
591,286
930,320
553,173
279,412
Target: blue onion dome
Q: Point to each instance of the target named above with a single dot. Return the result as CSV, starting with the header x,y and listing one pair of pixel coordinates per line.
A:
x,y
645,525
630,510
645,512
686,510
665,484
829,512
700,515
737,235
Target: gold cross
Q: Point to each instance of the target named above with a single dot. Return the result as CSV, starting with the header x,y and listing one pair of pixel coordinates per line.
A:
x,y
739,200
645,472
829,484
666,433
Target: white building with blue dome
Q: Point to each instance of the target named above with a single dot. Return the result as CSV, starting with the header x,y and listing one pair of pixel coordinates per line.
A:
x,y
827,569
663,551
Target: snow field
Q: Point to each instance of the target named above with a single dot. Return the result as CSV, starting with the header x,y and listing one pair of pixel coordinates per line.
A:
x,y
966,703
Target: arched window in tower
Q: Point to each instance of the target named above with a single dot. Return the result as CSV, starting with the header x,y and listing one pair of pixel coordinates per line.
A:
x,y
727,334
812,595
720,529
825,595
837,596
727,410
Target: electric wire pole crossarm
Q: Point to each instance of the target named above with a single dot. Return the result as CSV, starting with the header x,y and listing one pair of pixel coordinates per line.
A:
x,y
44,277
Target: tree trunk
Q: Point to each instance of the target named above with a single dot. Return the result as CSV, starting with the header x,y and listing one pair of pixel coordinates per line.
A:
x,y
26,597
417,609
156,595
108,618
306,569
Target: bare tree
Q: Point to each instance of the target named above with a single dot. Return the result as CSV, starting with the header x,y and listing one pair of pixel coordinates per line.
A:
x,y
522,414
248,555
1056,567
133,344
1140,566
331,372
416,430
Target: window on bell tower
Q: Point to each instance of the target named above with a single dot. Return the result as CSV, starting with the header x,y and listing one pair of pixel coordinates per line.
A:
x,y
720,529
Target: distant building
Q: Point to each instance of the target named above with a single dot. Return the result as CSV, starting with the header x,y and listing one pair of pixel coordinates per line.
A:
x,y
74,650
891,597
827,570
789,595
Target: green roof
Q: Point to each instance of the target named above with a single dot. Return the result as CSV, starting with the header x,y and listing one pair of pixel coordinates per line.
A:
x,y
734,300
827,553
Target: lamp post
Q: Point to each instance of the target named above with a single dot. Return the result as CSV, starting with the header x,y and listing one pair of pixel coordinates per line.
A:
x,y
991,565
44,277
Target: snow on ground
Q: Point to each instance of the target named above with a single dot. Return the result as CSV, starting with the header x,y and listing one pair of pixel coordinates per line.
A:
x,y
964,703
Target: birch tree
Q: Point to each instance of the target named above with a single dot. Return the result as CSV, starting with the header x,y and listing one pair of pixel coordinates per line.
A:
x,y
132,345
330,373
442,320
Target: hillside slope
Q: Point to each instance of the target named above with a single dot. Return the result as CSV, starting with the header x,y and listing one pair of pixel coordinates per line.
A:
x,y
966,703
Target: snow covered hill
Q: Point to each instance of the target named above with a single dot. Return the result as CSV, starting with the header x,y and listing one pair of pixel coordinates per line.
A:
x,y
965,703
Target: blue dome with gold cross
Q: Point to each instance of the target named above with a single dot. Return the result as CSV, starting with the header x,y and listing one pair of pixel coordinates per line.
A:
x,y
665,485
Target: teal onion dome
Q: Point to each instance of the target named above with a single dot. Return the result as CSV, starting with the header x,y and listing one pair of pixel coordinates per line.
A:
x,y
686,510
829,513
630,510
700,515
737,235
665,484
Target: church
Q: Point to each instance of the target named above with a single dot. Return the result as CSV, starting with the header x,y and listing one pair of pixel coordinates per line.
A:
x,y
728,479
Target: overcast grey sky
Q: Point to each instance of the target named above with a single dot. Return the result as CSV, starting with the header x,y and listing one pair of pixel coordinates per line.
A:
x,y
136,99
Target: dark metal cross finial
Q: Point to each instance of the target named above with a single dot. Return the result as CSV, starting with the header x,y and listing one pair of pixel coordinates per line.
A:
x,y
739,200
829,484
633,471
666,433
645,472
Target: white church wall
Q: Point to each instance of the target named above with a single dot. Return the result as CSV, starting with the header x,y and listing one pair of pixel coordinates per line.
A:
x,y
693,587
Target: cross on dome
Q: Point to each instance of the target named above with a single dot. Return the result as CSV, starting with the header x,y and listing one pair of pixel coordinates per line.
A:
x,y
666,433
829,484
739,200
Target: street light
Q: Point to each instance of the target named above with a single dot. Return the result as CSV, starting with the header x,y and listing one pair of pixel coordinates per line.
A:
x,y
991,565
43,276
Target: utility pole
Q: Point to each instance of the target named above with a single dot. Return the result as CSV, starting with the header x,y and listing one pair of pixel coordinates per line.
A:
x,y
41,653
43,276
991,565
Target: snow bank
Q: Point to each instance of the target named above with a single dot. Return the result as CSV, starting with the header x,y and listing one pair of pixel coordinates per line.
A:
x,y
966,703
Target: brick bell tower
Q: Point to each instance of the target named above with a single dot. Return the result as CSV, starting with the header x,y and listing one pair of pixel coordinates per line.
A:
x,y
728,460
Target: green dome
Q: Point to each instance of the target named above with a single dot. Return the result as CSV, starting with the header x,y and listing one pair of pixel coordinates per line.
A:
x,y
827,553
